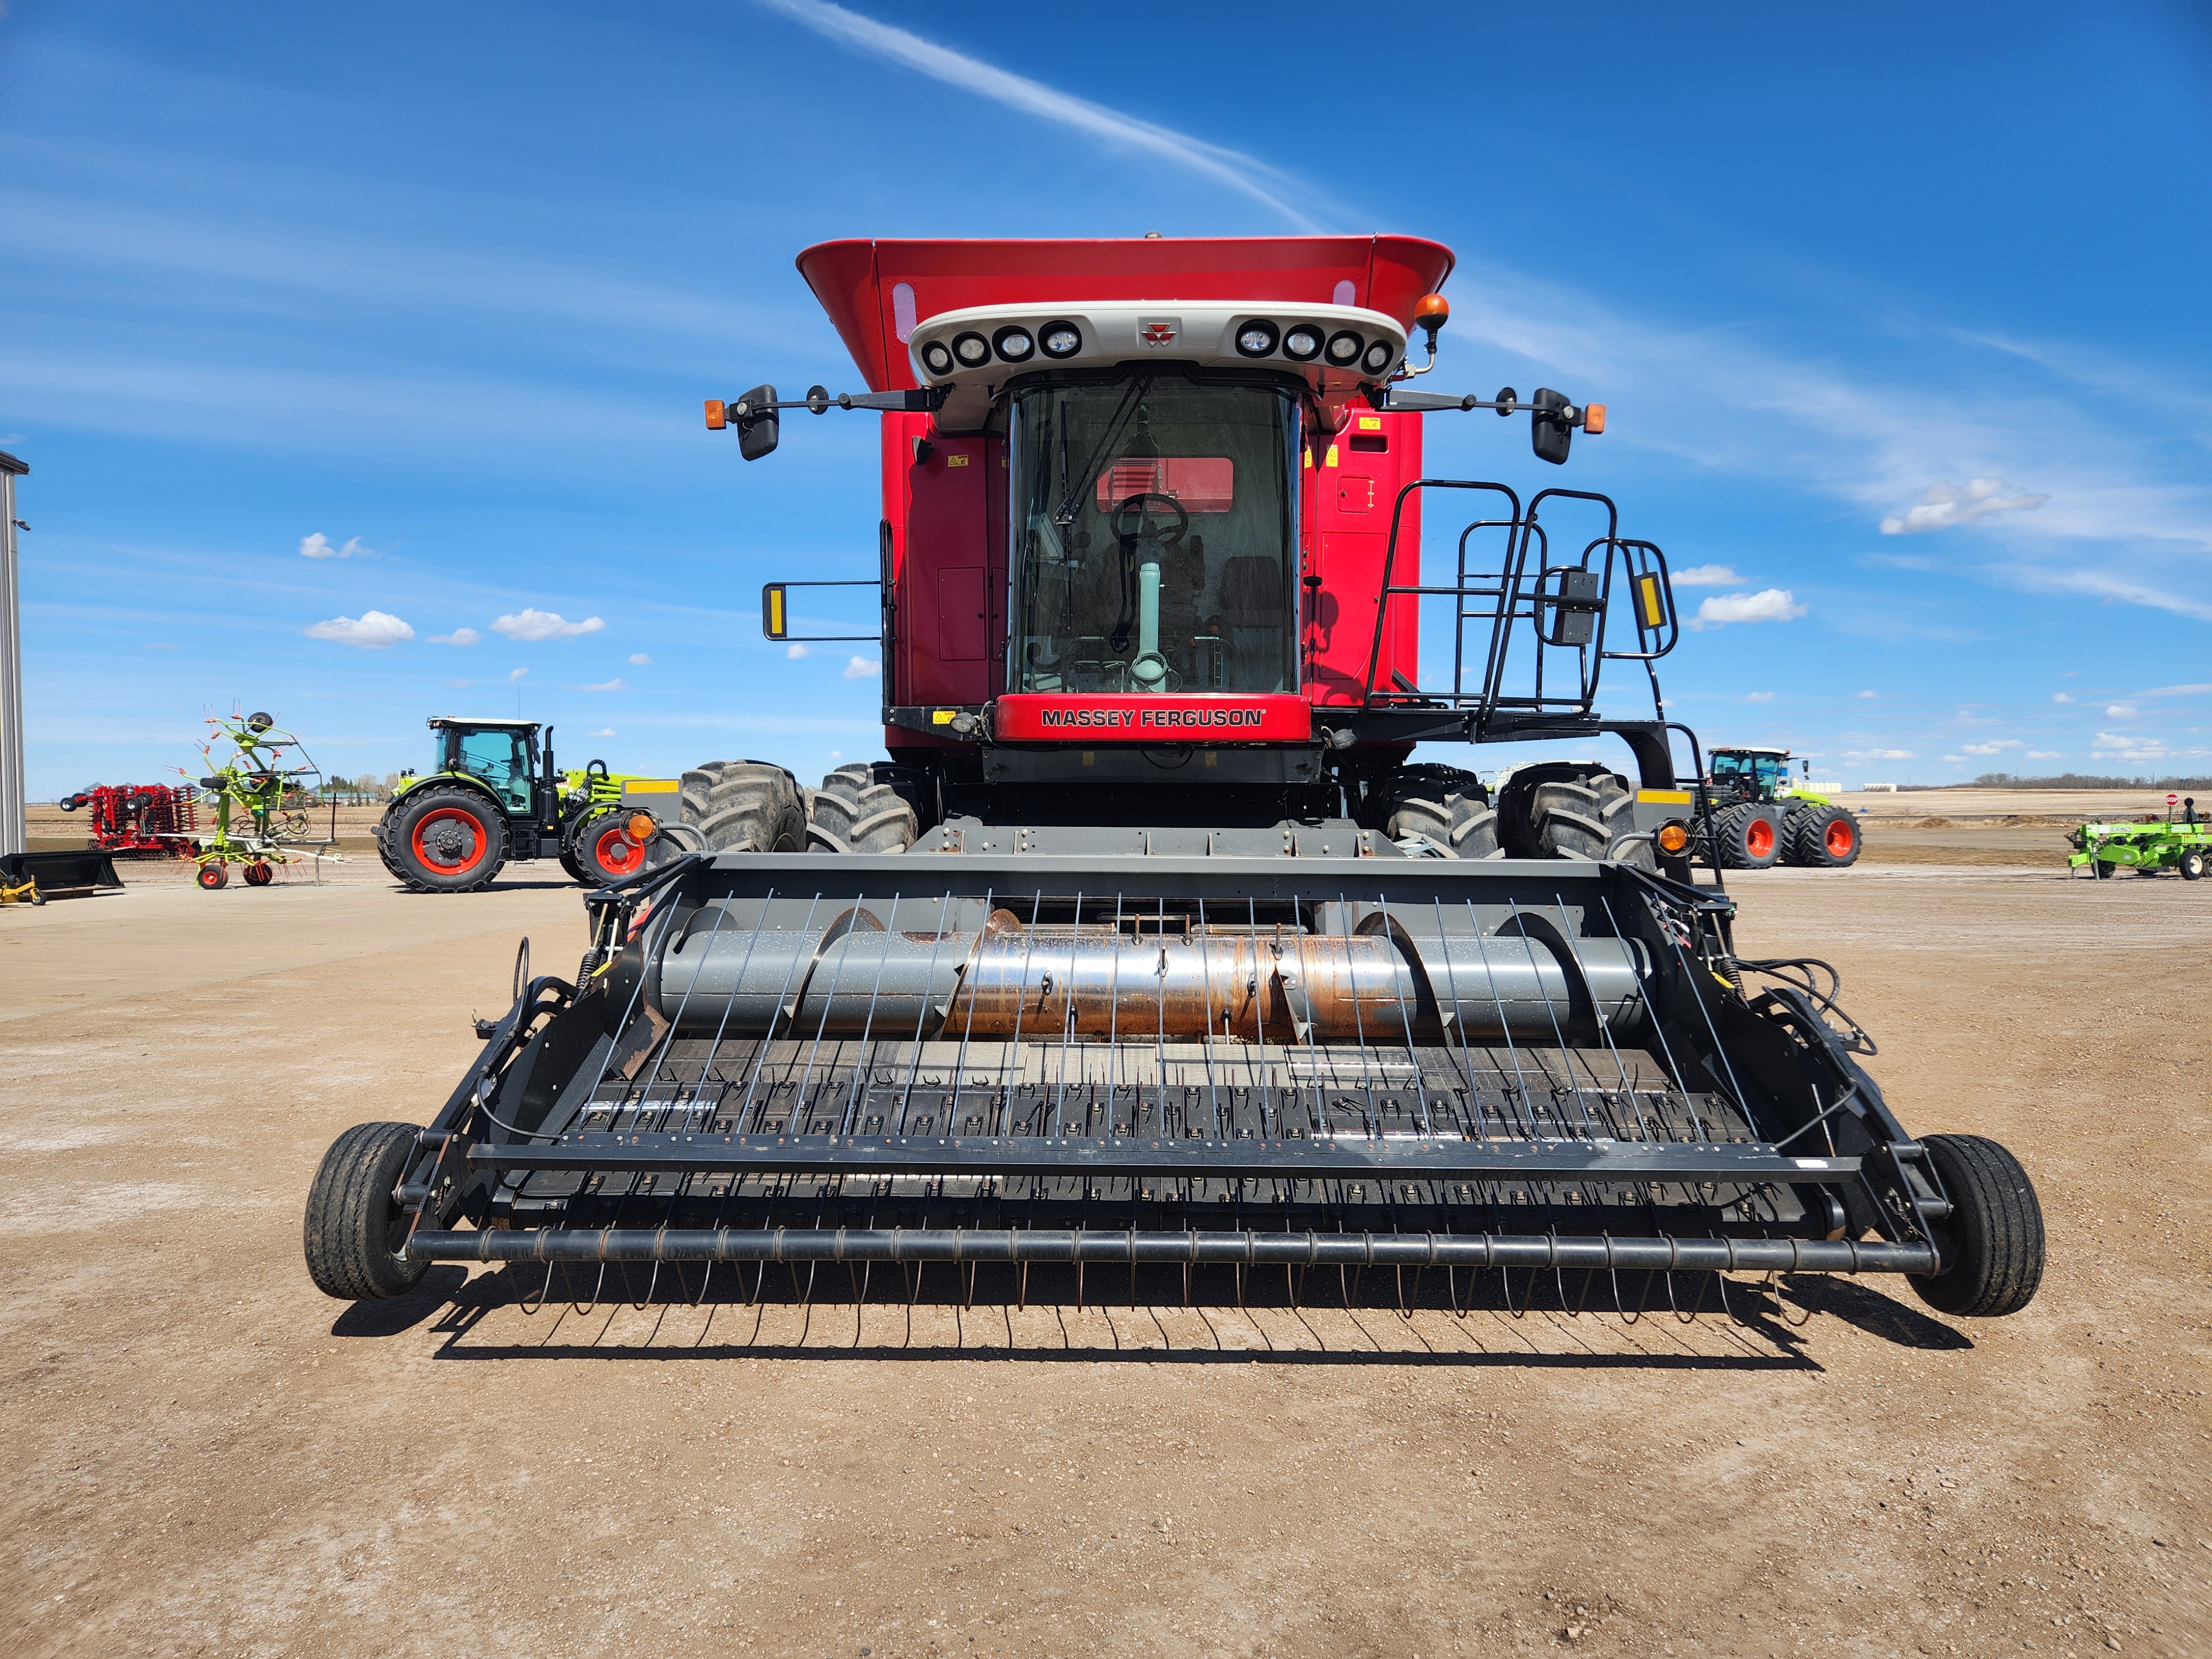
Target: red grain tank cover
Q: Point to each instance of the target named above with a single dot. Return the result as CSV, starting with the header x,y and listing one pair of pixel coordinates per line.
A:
x,y
876,292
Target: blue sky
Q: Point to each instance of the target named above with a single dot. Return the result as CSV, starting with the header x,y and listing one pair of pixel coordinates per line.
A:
x,y
1900,312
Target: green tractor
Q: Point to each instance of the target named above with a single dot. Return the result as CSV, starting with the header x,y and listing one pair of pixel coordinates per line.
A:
x,y
1762,816
493,795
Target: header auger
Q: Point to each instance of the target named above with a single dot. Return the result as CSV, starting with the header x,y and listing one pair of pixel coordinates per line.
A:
x,y
1149,946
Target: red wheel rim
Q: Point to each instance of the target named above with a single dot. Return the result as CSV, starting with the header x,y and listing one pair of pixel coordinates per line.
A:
x,y
210,876
468,821
1758,838
1841,835
617,854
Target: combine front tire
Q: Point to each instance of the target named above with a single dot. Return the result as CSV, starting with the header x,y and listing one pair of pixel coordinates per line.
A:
x,y
1995,1233
1825,837
1571,809
1746,837
355,1234
1447,807
853,813
744,806
444,838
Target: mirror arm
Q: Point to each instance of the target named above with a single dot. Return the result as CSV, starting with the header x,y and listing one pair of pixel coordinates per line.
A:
x,y
922,401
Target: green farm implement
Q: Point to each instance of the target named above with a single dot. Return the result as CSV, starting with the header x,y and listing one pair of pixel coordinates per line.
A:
x,y
254,825
492,795
2146,848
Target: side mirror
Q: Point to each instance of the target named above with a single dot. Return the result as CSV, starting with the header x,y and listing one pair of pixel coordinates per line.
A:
x,y
757,425
1548,426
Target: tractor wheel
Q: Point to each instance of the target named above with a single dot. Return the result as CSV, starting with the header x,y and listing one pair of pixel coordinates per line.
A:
x,y
1747,836
744,806
259,874
604,853
1995,1233
851,812
355,1234
447,838
2192,864
2104,870
1441,804
214,875
1825,837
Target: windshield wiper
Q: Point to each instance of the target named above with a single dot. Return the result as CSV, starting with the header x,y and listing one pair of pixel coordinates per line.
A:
x,y
1064,514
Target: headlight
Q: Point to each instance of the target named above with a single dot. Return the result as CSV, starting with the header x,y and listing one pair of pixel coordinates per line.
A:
x,y
972,349
1302,344
1256,339
1061,339
1014,344
936,358
1344,349
1377,358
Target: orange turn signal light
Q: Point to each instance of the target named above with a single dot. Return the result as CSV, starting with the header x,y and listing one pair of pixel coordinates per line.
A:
x,y
716,419
1593,418
1432,311
1673,838
640,827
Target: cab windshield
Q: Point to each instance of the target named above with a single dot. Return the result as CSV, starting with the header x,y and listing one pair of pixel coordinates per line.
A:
x,y
1153,537
1761,771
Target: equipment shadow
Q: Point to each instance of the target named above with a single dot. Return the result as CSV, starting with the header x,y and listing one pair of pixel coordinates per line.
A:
x,y
1755,1320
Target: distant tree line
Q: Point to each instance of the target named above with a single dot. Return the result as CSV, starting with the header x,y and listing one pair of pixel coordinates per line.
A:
x,y
2080,780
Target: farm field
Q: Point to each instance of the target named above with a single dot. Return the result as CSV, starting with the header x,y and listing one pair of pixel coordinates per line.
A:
x,y
211,1457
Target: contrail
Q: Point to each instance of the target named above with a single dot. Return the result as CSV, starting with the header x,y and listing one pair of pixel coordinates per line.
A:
x,y
1241,172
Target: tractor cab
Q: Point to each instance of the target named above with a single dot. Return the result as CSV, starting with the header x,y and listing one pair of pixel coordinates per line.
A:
x,y
502,754
1753,774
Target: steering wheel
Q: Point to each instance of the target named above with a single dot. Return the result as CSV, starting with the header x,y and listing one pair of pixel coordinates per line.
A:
x,y
1145,530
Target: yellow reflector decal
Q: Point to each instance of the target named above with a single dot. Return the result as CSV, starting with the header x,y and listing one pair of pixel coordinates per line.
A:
x,y
651,786
1663,797
772,623
1647,591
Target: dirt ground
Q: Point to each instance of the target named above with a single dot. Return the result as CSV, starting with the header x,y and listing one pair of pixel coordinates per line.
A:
x,y
208,1457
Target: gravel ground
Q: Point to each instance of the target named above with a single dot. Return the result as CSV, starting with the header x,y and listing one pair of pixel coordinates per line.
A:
x,y
209,1457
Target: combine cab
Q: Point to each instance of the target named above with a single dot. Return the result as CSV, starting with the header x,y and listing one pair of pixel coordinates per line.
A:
x,y
1149,946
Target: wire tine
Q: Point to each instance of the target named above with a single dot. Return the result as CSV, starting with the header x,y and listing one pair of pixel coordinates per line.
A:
x,y
861,1065
1067,1017
1260,1009
1206,978
661,922
822,1025
952,1100
1313,1053
1420,1091
775,1014
668,1042
1736,1088
1021,1001
1604,1026
921,1016
714,1049
1160,1025
1505,1023
1566,1055
1372,1112
1459,1019
1114,1014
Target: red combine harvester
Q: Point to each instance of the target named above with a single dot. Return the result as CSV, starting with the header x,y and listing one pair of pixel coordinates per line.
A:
x,y
150,820
1150,945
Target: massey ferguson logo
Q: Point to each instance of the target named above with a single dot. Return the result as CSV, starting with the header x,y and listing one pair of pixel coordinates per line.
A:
x,y
1158,330
1149,719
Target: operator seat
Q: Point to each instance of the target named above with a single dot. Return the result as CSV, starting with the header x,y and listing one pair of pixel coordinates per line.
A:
x,y
1252,617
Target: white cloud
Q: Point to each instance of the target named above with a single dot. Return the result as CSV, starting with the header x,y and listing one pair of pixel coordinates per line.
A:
x,y
837,754
2060,696
603,732
516,675
532,625
2044,754
318,546
1860,756
2122,746
862,668
639,659
459,636
372,631
1241,172
1942,504
1997,748
603,685
2175,691
1769,605
1706,575
1866,693
795,650
1758,696
2120,711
